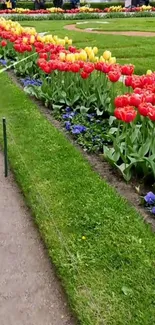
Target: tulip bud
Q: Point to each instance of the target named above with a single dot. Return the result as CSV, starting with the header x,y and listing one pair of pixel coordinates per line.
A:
x,y
70,42
102,59
107,55
112,60
62,56
25,40
149,72
32,39
95,50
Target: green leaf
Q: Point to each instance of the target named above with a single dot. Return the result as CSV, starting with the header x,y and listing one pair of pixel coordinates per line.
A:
x,y
98,112
127,291
144,148
111,119
151,162
113,130
84,109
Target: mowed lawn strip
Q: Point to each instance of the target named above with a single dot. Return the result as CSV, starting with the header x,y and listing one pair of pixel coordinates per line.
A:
x,y
135,50
109,274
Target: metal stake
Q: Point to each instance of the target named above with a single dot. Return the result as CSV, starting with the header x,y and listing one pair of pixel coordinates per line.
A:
x,y
5,148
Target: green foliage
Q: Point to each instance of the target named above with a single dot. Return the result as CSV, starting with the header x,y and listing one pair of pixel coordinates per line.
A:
x,y
69,89
108,276
133,149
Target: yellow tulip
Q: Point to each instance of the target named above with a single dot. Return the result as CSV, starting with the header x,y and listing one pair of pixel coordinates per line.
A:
x,y
83,55
102,59
86,48
112,60
70,42
107,55
62,56
149,72
25,40
76,56
96,59
39,38
55,37
70,57
32,39
91,56
95,50
62,42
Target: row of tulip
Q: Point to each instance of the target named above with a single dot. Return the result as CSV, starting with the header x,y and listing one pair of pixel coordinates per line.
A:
x,y
83,9
88,82
133,9
134,139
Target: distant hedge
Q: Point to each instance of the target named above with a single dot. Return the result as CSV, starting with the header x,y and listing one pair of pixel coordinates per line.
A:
x,y
100,5
67,5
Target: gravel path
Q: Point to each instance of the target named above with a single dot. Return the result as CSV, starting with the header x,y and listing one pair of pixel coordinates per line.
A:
x,y
30,293
129,33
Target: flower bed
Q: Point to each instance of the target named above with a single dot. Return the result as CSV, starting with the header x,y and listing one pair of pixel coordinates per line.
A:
x,y
51,10
82,89
84,9
133,9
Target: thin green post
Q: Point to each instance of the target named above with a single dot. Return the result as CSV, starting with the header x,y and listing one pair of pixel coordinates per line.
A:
x,y
5,148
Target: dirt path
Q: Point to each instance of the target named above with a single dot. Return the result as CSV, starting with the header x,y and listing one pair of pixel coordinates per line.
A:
x,y
30,293
130,33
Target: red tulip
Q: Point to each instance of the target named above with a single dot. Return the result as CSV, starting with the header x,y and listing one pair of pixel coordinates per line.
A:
x,y
43,56
151,114
88,67
144,108
127,69
128,81
148,97
3,43
126,114
135,100
75,67
138,91
105,67
114,76
84,75
121,101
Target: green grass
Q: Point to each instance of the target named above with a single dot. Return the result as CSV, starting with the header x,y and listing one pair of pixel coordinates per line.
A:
x,y
110,276
136,50
127,24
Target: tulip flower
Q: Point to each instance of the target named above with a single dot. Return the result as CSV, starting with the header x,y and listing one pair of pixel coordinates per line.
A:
x,y
3,43
107,55
144,109
151,114
121,101
114,76
84,75
126,114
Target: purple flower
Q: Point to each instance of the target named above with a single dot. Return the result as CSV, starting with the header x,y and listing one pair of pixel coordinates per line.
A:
x,y
67,125
149,198
77,129
68,115
28,82
68,109
3,62
153,210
